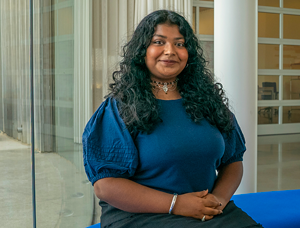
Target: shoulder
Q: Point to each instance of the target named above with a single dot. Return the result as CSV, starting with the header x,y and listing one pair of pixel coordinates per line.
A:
x,y
105,118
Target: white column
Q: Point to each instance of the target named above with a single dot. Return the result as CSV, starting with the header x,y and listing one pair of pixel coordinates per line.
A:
x,y
83,96
235,60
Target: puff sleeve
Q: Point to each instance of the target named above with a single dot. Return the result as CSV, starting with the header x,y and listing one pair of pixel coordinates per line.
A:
x,y
108,148
234,145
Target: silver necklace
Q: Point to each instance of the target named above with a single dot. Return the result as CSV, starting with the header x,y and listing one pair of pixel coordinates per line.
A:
x,y
166,86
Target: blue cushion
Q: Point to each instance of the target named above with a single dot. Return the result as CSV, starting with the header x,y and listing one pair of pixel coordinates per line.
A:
x,y
95,226
272,209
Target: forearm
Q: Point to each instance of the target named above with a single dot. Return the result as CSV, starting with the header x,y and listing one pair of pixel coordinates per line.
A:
x,y
132,197
228,180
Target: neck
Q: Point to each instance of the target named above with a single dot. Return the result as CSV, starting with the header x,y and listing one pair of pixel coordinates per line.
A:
x,y
165,90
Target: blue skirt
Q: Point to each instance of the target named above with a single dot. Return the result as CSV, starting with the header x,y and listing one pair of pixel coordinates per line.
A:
x,y
232,217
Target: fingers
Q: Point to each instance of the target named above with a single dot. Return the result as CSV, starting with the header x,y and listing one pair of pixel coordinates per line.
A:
x,y
211,203
208,217
201,194
211,212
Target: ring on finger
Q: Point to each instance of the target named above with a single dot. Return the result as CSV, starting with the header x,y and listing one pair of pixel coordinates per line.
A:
x,y
203,219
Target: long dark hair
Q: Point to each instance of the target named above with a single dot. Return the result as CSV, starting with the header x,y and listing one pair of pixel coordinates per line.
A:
x,y
138,107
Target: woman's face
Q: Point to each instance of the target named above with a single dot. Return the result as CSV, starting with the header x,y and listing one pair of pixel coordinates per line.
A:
x,y
166,55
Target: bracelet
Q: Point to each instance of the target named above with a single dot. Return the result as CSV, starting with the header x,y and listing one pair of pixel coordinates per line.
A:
x,y
173,202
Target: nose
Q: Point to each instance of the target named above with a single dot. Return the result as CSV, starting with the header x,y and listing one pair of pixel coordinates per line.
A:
x,y
169,49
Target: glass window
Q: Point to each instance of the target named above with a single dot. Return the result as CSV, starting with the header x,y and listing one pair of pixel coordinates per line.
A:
x,y
291,87
274,3
293,4
291,57
268,56
206,21
291,114
268,25
268,87
65,18
208,50
291,26
267,115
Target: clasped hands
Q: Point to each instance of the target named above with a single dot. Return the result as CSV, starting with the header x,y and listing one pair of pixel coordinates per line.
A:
x,y
198,204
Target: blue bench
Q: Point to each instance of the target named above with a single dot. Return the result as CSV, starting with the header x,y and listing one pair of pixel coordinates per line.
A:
x,y
278,209
95,226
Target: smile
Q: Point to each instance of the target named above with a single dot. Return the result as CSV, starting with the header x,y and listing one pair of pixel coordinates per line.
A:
x,y
168,62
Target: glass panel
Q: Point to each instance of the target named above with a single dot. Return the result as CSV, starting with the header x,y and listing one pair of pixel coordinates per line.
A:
x,y
208,50
194,19
293,4
268,25
290,26
274,3
291,114
15,133
291,87
267,115
291,57
268,56
65,18
64,199
268,87
206,21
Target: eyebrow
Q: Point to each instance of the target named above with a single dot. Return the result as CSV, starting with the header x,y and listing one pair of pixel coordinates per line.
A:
x,y
177,38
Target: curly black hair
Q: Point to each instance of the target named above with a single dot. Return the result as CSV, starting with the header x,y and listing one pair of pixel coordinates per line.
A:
x,y
137,105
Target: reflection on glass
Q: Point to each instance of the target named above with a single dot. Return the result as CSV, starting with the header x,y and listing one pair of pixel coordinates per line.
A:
x,y
291,57
268,87
267,115
268,25
194,19
293,4
206,21
291,114
268,56
290,25
291,87
65,19
15,133
273,3
64,196
208,50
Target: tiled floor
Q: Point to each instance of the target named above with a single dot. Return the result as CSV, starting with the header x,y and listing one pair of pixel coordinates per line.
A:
x,y
278,162
64,198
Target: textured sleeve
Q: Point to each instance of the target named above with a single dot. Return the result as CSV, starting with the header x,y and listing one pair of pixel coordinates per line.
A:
x,y
108,148
234,145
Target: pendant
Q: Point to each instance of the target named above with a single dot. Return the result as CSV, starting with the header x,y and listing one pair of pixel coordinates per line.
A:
x,y
165,88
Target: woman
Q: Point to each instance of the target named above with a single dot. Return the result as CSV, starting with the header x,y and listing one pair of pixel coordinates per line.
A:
x,y
153,147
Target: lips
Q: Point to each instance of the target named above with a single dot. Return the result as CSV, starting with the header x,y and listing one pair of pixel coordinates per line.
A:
x,y
168,61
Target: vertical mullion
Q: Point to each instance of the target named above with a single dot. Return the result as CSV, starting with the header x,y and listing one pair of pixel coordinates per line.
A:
x,y
32,114
280,115
197,20
280,109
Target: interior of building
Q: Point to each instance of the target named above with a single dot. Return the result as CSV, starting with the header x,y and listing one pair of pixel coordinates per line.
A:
x,y
76,47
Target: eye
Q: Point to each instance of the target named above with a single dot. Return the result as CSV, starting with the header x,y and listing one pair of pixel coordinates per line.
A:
x,y
157,42
180,44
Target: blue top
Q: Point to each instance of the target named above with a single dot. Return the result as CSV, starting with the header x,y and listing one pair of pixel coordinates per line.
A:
x,y
178,156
